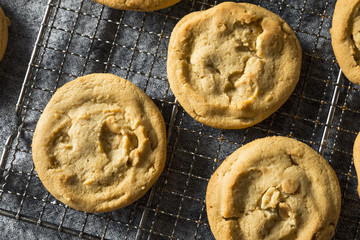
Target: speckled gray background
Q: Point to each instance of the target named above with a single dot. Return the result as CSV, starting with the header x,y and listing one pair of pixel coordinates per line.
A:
x,y
134,45
26,16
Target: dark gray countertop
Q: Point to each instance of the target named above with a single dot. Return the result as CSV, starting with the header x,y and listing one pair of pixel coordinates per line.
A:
x,y
25,19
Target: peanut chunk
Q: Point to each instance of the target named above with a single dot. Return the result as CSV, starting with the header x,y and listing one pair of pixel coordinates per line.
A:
x,y
112,124
290,185
270,198
285,211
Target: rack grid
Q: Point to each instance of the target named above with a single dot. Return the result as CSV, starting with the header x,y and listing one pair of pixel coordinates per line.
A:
x,y
82,37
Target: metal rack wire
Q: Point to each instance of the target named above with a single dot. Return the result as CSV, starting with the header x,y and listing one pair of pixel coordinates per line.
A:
x,y
83,37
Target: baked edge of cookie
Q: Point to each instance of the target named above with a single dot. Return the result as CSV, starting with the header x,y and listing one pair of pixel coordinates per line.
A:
x,y
39,143
156,5
189,98
340,42
4,24
213,197
356,158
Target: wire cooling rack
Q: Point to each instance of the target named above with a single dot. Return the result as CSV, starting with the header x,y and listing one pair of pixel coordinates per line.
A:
x,y
82,37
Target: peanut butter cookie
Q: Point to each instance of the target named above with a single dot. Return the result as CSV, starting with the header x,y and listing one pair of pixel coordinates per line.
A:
x,y
356,156
4,24
138,5
100,143
345,37
233,65
273,188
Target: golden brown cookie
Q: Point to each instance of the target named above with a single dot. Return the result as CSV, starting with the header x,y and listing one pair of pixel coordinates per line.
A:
x,y
4,24
233,65
138,5
345,37
356,156
273,188
100,143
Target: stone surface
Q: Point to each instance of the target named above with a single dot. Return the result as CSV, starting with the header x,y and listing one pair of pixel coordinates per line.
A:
x,y
14,229
25,19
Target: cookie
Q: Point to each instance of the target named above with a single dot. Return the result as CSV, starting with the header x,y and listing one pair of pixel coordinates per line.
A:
x,y
4,24
356,156
100,143
273,188
345,37
138,5
233,65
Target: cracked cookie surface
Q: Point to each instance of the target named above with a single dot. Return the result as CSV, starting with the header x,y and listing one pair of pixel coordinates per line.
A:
x,y
345,37
99,144
4,24
273,188
138,5
233,65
